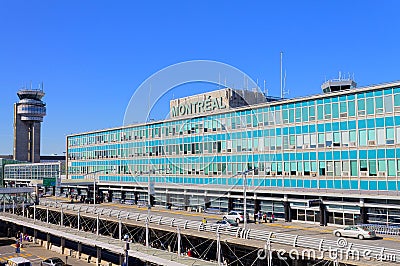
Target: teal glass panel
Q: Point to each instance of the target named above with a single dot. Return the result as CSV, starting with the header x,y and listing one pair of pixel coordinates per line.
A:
x,y
381,153
370,123
391,185
344,155
379,122
390,153
322,183
338,184
371,154
343,125
364,185
279,182
314,183
329,184
354,184
293,183
382,185
389,121
335,126
373,185
361,123
345,184
352,124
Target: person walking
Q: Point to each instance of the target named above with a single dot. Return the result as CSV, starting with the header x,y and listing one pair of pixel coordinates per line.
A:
x,y
204,221
259,216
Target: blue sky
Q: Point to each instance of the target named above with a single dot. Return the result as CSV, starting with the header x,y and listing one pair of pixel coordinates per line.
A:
x,y
92,55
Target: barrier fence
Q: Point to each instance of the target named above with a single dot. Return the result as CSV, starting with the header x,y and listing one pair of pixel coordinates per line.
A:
x,y
340,246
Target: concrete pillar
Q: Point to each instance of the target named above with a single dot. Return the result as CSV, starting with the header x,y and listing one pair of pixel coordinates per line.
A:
x,y
363,212
62,245
13,207
257,206
48,241
47,214
98,256
34,235
230,202
79,250
287,209
323,217
121,259
34,212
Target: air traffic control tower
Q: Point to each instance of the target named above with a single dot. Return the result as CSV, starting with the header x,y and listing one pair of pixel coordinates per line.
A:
x,y
28,114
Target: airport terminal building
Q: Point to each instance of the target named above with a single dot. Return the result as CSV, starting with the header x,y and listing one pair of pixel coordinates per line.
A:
x,y
332,158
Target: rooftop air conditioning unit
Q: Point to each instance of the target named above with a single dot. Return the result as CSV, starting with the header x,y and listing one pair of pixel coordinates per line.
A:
x,y
345,173
313,174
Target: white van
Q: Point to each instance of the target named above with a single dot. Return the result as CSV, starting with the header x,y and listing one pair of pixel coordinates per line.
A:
x,y
18,261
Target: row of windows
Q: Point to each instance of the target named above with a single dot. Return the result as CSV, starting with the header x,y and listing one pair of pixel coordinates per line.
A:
x,y
371,103
288,183
365,137
31,171
342,168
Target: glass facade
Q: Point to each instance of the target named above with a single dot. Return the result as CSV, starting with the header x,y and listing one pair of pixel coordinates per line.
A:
x,y
338,142
24,173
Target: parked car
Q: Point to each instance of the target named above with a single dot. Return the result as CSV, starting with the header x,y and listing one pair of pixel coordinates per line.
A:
x,y
53,262
18,261
355,231
236,216
227,222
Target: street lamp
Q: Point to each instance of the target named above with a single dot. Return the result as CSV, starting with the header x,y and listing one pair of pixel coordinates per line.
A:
x,y
244,175
94,181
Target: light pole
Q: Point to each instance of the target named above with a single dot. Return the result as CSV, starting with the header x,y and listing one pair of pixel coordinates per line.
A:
x,y
244,176
149,203
94,181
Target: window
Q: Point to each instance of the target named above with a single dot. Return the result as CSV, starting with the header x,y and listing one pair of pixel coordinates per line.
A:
x,y
361,106
390,135
388,104
370,106
362,138
351,108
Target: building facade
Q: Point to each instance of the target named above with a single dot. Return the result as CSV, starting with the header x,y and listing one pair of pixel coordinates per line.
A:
x,y
28,115
332,158
32,174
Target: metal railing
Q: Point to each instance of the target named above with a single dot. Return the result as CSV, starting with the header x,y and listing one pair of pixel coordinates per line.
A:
x,y
382,229
318,244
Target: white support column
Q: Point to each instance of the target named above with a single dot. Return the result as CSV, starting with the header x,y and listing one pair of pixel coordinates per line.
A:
x,y
13,207
97,224
34,212
47,214
119,229
23,208
179,241
79,220
147,232
61,217
218,249
4,204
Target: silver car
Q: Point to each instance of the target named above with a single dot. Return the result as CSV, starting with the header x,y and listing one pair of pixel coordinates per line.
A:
x,y
235,216
52,262
355,231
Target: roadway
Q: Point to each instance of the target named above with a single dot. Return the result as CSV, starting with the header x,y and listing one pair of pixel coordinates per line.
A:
x,y
295,228
33,252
